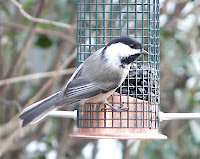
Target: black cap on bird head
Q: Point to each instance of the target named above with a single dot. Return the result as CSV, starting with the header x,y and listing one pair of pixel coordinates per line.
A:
x,y
127,40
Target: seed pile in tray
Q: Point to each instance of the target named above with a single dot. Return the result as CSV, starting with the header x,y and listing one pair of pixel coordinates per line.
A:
x,y
142,84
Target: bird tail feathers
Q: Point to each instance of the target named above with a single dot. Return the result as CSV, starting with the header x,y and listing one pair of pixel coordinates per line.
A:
x,y
39,110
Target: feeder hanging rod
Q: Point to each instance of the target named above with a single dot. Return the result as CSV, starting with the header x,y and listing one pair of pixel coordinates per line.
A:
x,y
63,114
178,116
162,115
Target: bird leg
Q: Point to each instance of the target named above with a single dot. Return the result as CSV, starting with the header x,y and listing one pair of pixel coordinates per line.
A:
x,y
115,108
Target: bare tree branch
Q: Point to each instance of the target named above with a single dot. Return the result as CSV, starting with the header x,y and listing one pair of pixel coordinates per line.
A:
x,y
14,122
40,31
40,20
26,46
10,140
36,76
50,81
65,139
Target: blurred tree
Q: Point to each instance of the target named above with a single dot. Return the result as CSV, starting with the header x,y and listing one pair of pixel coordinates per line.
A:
x,y
29,46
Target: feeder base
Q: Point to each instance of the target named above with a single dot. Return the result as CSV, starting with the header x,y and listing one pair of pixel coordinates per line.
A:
x,y
136,134
132,136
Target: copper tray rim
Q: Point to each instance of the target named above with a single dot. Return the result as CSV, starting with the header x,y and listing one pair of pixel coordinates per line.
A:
x,y
134,136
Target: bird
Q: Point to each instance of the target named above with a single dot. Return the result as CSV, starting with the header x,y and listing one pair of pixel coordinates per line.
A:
x,y
93,81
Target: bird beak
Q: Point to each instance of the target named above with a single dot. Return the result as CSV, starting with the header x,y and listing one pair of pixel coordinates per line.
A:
x,y
144,52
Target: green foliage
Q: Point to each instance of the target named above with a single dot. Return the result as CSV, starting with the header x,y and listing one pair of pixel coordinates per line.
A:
x,y
27,4
43,41
4,9
163,151
180,76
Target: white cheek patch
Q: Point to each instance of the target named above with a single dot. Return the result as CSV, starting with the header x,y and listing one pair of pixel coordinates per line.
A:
x,y
120,50
115,52
134,51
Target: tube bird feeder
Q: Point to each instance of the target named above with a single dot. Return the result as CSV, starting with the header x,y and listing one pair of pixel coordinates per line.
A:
x,y
98,22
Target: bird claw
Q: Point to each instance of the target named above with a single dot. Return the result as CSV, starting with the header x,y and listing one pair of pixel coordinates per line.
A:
x,y
117,108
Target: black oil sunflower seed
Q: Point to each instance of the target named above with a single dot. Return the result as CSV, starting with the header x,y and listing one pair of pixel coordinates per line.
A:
x,y
143,84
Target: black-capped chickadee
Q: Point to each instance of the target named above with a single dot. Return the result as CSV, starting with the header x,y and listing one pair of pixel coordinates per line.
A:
x,y
93,81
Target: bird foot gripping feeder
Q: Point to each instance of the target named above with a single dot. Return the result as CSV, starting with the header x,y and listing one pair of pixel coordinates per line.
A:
x,y
98,22
137,122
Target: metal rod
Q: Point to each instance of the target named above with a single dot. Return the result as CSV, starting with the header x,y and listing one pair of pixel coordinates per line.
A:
x,y
178,116
63,114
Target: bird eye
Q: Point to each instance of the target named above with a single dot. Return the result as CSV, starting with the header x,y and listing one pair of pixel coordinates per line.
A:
x,y
131,46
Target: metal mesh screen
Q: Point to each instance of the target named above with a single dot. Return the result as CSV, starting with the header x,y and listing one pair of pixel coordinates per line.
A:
x,y
98,22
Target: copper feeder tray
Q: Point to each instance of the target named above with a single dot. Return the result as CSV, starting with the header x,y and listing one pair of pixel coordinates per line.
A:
x,y
107,128
148,135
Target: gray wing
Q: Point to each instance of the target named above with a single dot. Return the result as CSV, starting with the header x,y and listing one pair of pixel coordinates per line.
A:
x,y
79,88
